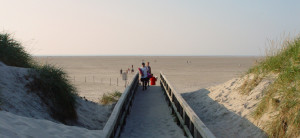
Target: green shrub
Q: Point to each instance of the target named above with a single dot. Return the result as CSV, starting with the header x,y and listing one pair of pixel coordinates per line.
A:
x,y
110,98
12,53
56,91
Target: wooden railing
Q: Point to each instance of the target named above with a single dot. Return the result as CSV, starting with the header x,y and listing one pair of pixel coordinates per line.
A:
x,y
187,119
117,118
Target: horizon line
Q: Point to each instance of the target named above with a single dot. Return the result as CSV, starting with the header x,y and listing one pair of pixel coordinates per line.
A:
x,y
146,55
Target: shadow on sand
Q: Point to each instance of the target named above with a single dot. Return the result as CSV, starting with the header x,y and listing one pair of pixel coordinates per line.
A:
x,y
222,122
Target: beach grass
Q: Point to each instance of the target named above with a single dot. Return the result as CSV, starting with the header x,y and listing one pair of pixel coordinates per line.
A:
x,y
110,98
250,84
49,82
54,88
12,53
282,96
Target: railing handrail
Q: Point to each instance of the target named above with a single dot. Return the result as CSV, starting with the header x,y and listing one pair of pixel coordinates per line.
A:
x,y
198,124
113,119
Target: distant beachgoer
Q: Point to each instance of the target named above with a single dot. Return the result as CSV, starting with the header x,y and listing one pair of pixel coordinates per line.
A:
x,y
143,74
121,71
148,73
132,70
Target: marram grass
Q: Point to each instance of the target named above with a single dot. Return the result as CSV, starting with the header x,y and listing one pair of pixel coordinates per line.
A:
x,y
282,96
56,91
12,53
49,82
110,98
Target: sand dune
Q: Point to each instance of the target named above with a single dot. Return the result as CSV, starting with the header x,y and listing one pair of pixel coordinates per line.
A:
x,y
227,112
24,114
14,126
221,108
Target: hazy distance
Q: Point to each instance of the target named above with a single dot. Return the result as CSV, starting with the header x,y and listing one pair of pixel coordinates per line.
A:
x,y
156,27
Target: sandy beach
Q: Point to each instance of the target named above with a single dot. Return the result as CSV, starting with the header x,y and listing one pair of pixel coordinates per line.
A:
x,y
186,73
193,77
196,78
230,69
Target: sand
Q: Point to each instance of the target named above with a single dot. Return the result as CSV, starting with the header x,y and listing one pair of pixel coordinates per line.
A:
x,y
14,126
23,114
192,76
94,76
187,75
227,112
199,72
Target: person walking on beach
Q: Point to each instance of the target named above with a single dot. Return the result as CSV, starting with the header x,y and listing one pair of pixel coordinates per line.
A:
x,y
143,74
121,71
148,73
132,70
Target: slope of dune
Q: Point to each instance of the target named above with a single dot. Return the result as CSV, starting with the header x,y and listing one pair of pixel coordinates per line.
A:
x,y
227,112
23,112
15,126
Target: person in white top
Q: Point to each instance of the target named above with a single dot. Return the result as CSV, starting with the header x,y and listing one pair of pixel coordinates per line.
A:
x,y
143,74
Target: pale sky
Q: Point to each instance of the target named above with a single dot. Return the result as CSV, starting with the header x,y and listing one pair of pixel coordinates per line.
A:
x,y
148,27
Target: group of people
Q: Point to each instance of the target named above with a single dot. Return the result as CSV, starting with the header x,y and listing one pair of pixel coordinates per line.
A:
x,y
127,71
145,73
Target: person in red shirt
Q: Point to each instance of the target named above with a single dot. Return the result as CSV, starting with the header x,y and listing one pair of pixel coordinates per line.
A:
x,y
152,80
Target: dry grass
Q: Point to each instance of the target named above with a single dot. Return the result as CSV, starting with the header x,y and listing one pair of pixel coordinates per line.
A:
x,y
283,96
110,98
250,83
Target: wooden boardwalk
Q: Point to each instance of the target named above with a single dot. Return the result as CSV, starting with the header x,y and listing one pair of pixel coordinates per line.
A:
x,y
153,113
150,116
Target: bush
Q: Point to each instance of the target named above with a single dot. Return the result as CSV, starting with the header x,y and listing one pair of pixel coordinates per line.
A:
x,y
110,98
55,90
12,53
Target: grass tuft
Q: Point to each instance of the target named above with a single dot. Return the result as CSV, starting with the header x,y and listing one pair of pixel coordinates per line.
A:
x,y
56,91
12,53
282,96
110,98
50,82
250,84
